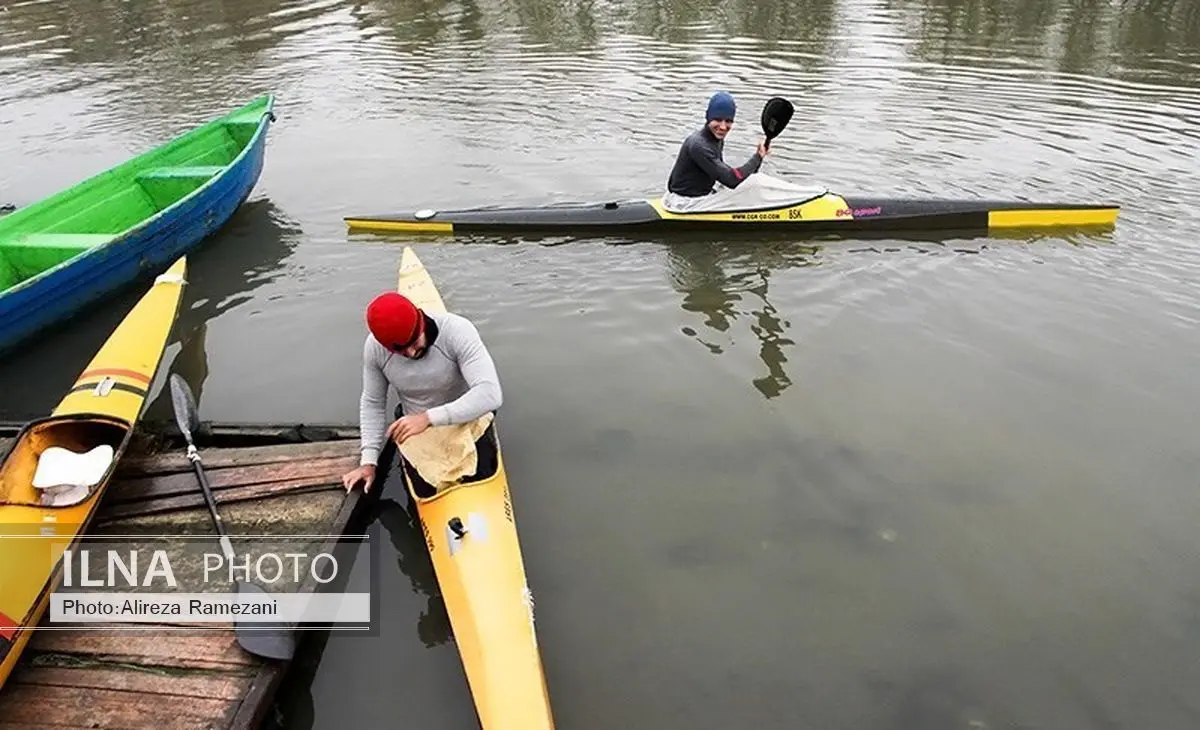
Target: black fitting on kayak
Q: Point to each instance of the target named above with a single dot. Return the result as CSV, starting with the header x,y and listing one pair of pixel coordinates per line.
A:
x,y
456,526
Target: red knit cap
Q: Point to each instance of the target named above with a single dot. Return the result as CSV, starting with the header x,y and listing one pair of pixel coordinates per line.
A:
x,y
393,320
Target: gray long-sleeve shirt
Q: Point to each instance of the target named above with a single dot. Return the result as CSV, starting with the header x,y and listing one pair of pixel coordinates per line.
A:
x,y
700,164
456,381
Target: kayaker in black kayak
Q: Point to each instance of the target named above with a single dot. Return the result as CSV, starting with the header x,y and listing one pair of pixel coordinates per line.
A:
x,y
701,162
444,375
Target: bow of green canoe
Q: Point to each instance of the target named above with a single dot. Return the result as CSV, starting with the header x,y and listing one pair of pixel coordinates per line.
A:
x,y
107,206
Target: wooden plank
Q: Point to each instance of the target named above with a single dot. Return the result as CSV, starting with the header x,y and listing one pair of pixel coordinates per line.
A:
x,y
257,701
176,461
319,483
10,428
229,428
168,485
266,433
50,706
250,712
215,650
26,726
115,677
230,687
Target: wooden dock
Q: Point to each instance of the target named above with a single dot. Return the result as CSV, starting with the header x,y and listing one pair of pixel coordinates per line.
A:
x,y
186,679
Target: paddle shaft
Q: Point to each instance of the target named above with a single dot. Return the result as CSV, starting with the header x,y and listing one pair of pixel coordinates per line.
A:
x,y
269,642
226,546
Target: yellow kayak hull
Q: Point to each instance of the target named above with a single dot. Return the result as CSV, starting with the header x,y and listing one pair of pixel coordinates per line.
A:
x,y
100,411
482,576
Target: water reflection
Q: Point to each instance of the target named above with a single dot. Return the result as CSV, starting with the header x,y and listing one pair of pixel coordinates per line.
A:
x,y
243,256
470,21
293,706
296,710
146,67
112,32
1137,40
484,101
404,530
579,25
392,507
168,42
567,25
715,277
408,21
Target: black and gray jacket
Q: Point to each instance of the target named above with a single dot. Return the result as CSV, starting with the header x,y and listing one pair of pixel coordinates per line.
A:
x,y
700,164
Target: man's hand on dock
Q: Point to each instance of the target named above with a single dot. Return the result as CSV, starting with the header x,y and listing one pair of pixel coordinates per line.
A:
x,y
364,474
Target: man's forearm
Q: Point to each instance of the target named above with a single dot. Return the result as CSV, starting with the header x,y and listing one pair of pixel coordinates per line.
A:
x,y
372,411
482,398
372,423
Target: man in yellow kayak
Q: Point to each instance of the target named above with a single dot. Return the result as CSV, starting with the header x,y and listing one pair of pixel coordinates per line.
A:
x,y
441,370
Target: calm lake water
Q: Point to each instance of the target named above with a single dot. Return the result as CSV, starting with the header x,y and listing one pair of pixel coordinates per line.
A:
x,y
835,484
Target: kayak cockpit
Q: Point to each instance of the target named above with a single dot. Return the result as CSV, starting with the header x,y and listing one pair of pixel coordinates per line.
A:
x,y
486,463
59,462
758,192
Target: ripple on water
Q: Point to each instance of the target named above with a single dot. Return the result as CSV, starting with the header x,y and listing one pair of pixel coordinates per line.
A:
x,y
1049,375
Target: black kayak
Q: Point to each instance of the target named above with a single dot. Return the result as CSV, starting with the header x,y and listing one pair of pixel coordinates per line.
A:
x,y
823,213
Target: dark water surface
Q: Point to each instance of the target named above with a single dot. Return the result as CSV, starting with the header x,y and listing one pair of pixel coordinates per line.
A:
x,y
842,484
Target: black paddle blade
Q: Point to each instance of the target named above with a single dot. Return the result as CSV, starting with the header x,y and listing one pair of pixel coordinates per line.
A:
x,y
269,641
184,405
776,114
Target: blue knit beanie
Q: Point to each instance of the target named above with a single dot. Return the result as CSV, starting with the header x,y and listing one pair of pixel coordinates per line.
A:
x,y
721,106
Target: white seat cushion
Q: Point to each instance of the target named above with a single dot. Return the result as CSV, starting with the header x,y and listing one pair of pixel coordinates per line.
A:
x,y
66,476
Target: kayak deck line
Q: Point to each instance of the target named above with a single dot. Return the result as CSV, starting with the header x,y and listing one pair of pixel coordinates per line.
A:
x,y
298,483
825,213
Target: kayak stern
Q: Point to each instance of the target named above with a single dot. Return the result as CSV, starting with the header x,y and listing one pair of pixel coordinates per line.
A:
x,y
471,535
